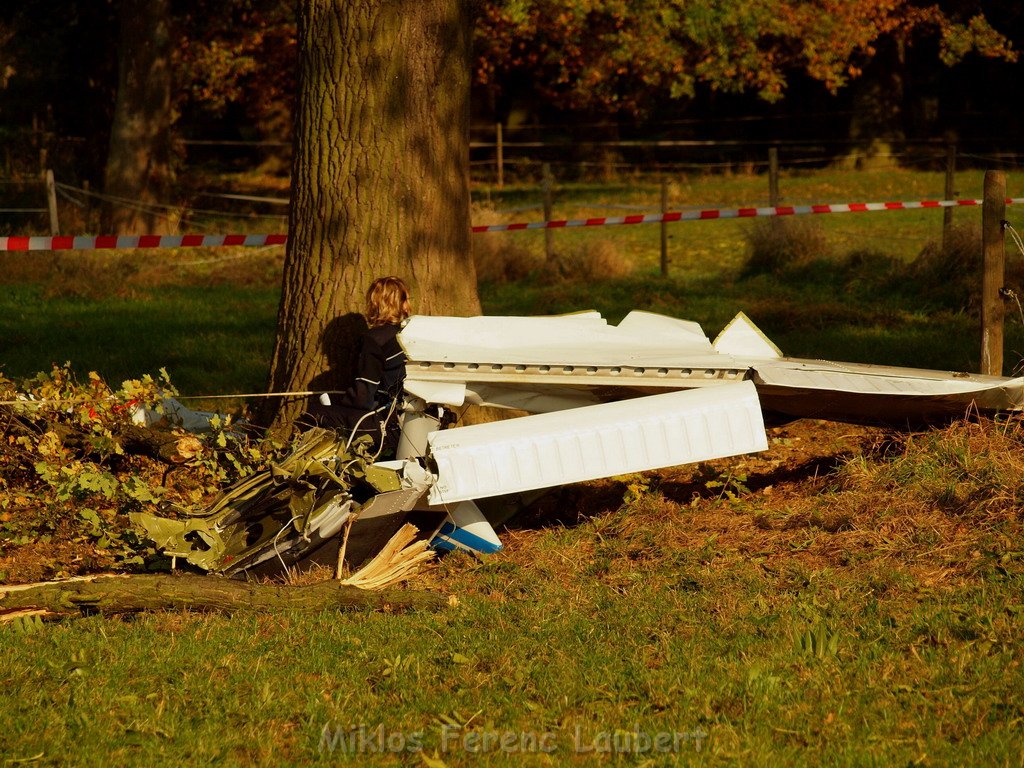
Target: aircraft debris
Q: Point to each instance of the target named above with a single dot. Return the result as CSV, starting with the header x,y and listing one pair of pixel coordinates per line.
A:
x,y
604,400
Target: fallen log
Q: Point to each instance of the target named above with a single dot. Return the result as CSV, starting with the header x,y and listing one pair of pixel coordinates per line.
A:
x,y
159,444
206,594
152,442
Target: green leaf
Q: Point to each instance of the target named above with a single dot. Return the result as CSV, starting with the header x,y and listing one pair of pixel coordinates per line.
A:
x,y
26,625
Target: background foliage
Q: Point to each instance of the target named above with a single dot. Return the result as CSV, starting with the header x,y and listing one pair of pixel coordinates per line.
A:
x,y
884,69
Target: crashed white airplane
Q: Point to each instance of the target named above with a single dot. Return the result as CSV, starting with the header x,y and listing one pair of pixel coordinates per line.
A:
x,y
605,400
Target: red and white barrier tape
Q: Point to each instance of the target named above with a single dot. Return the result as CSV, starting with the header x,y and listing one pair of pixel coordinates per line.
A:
x,y
196,241
102,242
734,213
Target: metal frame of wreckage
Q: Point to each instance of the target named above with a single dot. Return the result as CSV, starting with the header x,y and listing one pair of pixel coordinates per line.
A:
x,y
294,512
669,377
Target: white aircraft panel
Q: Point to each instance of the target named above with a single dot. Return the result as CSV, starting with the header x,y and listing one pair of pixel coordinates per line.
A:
x,y
683,333
642,338
595,441
451,393
744,339
872,379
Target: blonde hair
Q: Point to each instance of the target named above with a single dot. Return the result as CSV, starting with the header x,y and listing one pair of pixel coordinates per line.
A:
x,y
385,301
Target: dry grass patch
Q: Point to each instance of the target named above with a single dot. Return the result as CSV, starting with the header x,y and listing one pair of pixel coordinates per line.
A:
x,y
776,245
99,275
593,260
499,261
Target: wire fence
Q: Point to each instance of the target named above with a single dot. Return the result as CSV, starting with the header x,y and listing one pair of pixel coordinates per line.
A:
x,y
519,166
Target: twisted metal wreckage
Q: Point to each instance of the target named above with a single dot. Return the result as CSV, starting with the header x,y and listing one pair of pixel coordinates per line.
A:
x,y
605,400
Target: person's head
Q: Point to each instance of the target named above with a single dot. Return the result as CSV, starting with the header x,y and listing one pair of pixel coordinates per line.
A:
x,y
387,301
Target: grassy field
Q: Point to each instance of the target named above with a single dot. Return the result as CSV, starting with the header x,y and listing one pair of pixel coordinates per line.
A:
x,y
859,618
849,597
696,245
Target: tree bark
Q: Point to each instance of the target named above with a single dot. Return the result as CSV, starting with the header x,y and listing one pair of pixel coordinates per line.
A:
x,y
158,444
138,440
138,163
380,176
876,126
207,594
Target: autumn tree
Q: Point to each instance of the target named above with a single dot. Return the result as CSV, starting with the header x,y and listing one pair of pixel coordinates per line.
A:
x,y
58,73
235,61
380,181
624,55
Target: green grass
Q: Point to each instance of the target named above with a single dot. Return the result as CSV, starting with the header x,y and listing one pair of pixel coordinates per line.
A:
x,y
216,336
212,339
581,632
218,339
720,245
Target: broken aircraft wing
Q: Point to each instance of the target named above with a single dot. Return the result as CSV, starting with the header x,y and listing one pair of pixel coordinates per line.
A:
x,y
616,438
545,364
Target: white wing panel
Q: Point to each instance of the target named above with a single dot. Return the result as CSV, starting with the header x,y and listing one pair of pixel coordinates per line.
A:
x,y
595,441
872,379
643,338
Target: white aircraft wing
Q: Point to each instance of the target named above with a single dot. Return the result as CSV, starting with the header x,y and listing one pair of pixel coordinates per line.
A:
x,y
543,364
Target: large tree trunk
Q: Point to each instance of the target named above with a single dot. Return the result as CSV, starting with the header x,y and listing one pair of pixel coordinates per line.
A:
x,y
380,177
138,164
876,126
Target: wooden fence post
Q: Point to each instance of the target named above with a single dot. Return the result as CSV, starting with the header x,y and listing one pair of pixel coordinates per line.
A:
x,y
773,177
51,203
993,215
546,187
664,228
774,222
951,193
499,155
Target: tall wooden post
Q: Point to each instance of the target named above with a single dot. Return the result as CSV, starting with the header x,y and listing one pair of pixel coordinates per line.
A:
x,y
773,186
51,203
993,214
87,206
773,177
950,192
499,155
664,228
546,187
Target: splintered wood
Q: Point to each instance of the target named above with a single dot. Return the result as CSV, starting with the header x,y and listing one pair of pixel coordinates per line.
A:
x,y
400,559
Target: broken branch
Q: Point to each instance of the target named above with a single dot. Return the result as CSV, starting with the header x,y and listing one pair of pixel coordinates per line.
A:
x,y
206,594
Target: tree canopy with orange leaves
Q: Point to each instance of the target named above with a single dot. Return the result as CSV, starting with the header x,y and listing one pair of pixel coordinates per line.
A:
x,y
622,54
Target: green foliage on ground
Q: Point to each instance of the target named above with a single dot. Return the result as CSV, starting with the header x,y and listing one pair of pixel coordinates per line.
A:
x,y
71,470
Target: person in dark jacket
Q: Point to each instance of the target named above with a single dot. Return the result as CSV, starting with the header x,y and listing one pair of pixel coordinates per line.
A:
x,y
372,404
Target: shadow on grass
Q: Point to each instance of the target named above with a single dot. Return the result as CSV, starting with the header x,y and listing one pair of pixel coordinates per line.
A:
x,y
574,505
